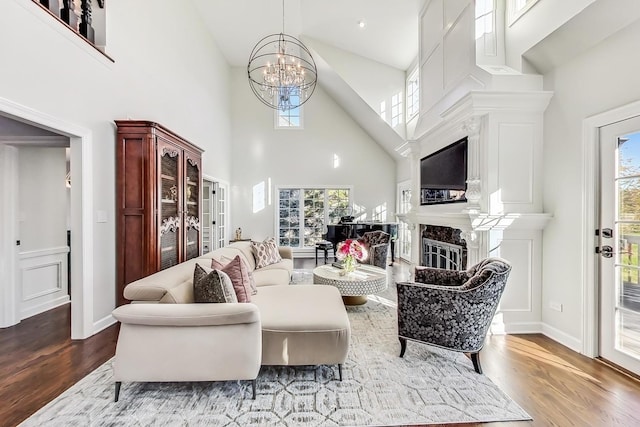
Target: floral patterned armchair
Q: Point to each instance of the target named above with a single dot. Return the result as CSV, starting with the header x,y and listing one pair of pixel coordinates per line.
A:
x,y
451,309
377,245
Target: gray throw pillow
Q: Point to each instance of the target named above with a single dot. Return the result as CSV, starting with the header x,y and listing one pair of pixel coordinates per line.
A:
x,y
212,286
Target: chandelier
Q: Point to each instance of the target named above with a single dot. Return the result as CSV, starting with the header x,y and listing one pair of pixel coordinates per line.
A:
x,y
282,73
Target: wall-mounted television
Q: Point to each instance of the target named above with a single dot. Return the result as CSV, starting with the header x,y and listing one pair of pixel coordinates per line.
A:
x,y
443,175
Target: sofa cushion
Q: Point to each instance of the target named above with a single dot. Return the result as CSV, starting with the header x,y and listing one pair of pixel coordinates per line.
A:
x,y
155,286
266,252
246,249
276,276
227,253
212,286
238,272
303,325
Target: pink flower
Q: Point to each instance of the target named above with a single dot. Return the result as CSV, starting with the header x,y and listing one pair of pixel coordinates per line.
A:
x,y
353,248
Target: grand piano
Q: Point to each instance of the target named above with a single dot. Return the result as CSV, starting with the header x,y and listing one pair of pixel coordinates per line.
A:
x,y
354,230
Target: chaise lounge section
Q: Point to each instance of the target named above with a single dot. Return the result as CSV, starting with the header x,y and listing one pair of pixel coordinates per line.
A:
x,y
165,336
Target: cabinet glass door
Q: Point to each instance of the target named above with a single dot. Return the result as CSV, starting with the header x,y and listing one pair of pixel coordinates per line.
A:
x,y
192,208
169,218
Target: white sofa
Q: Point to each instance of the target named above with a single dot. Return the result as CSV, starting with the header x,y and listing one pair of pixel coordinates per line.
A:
x,y
170,338
174,285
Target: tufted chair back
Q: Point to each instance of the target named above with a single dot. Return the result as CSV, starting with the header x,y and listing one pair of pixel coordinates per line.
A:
x,y
452,309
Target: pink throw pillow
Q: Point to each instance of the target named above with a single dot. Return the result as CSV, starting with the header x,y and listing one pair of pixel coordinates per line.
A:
x,y
238,272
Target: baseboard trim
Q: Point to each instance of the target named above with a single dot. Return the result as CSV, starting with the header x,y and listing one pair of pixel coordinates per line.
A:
x,y
103,323
563,338
521,328
540,328
45,306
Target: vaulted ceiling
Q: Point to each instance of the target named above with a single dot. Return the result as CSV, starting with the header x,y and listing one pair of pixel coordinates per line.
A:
x,y
390,34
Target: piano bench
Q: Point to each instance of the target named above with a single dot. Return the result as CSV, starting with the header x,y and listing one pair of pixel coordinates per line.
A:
x,y
325,247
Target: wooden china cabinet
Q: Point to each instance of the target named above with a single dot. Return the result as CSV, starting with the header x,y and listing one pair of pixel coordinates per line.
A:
x,y
158,201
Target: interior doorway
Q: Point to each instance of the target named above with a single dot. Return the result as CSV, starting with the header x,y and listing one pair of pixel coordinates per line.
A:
x,y
619,244
81,220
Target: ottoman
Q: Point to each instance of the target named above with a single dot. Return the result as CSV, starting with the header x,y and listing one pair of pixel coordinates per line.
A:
x,y
303,325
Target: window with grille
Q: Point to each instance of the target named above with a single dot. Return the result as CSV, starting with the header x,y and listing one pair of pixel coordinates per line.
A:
x,y
396,109
292,118
303,213
517,8
413,95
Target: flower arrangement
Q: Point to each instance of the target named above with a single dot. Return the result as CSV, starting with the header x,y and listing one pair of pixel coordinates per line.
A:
x,y
349,252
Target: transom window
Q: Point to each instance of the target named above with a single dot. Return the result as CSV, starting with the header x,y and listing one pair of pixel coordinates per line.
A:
x,y
413,94
303,213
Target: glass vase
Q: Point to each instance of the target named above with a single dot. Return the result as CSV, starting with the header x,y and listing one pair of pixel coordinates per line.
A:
x,y
350,264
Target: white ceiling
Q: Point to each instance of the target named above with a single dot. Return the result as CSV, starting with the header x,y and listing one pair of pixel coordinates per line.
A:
x,y
390,35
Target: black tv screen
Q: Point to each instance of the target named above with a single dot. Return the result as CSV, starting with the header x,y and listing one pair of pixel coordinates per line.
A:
x,y
443,175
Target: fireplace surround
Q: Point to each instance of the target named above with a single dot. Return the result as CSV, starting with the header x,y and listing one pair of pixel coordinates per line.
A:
x,y
442,247
503,215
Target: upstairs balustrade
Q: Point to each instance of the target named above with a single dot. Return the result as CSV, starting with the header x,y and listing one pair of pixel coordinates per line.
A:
x,y
76,14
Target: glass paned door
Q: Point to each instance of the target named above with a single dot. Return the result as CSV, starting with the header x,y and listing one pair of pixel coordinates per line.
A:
x,y
619,243
289,217
169,217
221,214
313,216
303,214
404,234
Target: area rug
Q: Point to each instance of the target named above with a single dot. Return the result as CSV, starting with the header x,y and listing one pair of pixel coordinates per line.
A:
x,y
427,386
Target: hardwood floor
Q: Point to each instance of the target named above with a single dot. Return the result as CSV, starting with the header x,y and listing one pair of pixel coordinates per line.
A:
x,y
555,385
38,361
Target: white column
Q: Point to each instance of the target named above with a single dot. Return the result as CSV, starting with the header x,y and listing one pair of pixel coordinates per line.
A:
x,y
414,160
471,127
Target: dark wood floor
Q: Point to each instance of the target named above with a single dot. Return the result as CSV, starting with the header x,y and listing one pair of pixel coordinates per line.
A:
x,y
556,386
38,361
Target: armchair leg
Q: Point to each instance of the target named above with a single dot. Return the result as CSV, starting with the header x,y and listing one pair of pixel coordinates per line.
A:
x,y
403,346
253,389
475,358
118,384
340,371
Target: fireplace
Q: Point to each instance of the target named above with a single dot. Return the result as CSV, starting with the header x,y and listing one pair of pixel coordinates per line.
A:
x,y
442,247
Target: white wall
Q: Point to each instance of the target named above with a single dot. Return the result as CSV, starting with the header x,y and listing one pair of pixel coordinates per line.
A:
x,y
601,79
42,212
537,23
167,69
301,157
373,81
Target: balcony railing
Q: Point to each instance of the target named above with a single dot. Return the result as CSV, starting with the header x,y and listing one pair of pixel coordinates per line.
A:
x,y
76,14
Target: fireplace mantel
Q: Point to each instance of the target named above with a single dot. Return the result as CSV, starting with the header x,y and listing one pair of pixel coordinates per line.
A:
x,y
479,221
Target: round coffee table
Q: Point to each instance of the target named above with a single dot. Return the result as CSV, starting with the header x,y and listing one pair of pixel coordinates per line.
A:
x,y
354,287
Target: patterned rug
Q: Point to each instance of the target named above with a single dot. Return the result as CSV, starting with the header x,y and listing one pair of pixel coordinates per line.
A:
x,y
427,386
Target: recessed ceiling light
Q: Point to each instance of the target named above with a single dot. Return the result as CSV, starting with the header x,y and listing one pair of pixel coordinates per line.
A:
x,y
362,23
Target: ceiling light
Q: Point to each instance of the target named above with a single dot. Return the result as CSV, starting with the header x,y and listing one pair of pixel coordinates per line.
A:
x,y
282,72
362,23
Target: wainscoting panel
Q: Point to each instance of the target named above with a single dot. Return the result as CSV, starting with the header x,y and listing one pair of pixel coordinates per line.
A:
x,y
516,177
433,89
521,301
459,54
43,282
431,28
518,292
